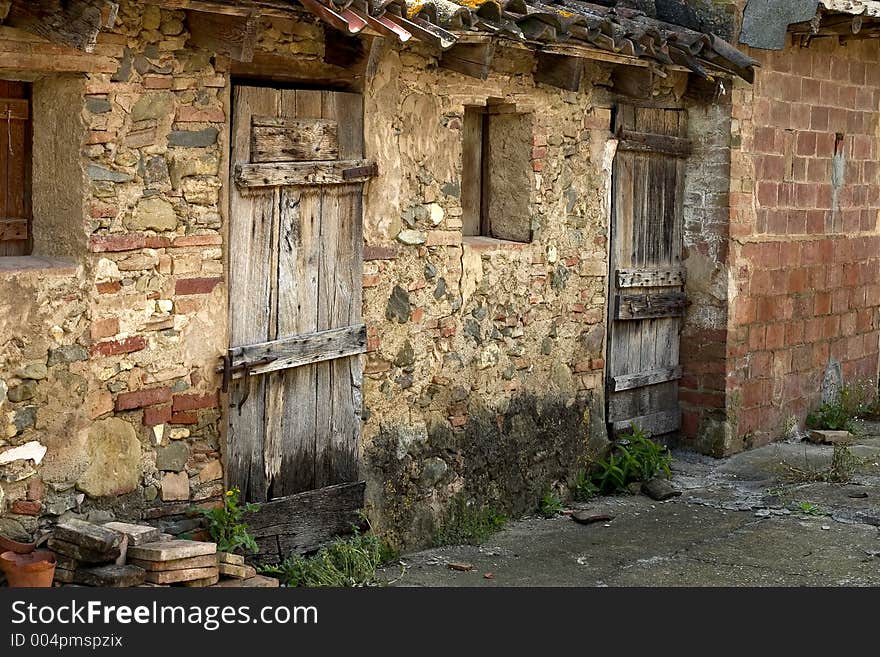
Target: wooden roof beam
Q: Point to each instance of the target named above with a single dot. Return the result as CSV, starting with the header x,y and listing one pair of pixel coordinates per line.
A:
x,y
473,59
74,23
562,71
228,34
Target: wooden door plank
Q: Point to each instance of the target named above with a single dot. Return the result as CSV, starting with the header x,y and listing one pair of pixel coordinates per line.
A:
x,y
306,104
340,454
646,378
650,306
299,310
346,373
252,218
344,439
292,140
298,350
328,265
297,313
650,277
644,142
279,174
15,169
654,424
347,109
642,401
472,169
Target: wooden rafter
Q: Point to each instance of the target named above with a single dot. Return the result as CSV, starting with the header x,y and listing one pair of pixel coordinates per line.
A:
x,y
562,71
74,23
473,59
233,35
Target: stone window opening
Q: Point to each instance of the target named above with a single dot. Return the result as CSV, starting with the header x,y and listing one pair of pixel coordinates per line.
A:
x,y
16,150
42,181
496,172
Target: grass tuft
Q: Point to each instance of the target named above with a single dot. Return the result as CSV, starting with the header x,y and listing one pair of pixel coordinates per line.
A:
x,y
468,525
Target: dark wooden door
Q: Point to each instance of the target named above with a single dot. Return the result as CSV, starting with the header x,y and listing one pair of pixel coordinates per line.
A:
x,y
15,168
295,285
646,290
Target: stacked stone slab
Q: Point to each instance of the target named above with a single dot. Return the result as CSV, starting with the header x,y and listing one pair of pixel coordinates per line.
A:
x,y
190,563
93,555
233,566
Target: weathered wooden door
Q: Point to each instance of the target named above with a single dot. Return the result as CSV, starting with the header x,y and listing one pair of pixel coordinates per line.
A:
x,y
646,297
293,369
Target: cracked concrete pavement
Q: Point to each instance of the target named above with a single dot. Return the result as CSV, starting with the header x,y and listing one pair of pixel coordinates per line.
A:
x,y
740,521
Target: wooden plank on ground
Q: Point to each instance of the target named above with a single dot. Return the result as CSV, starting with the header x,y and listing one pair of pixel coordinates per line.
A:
x,y
640,379
303,522
290,140
256,582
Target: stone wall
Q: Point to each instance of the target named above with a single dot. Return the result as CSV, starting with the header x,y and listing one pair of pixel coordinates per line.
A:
x,y
484,372
485,365
107,357
805,249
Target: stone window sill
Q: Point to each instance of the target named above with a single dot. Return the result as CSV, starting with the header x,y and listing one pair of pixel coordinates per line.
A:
x,y
10,265
480,243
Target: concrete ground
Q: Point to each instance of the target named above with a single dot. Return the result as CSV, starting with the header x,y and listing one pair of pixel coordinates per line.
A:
x,y
740,521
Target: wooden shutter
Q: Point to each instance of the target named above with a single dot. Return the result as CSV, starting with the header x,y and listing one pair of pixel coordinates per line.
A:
x,y
15,168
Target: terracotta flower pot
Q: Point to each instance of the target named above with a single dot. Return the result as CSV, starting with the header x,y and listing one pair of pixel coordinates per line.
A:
x,y
7,544
33,570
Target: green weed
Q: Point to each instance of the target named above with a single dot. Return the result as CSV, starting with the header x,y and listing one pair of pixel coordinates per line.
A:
x,y
468,525
225,523
346,562
584,488
634,458
551,505
843,466
854,401
808,509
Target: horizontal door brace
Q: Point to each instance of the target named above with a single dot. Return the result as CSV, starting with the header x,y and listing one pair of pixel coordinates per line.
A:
x,y
294,351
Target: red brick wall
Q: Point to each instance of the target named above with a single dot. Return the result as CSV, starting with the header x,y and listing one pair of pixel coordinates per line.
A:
x,y
805,250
